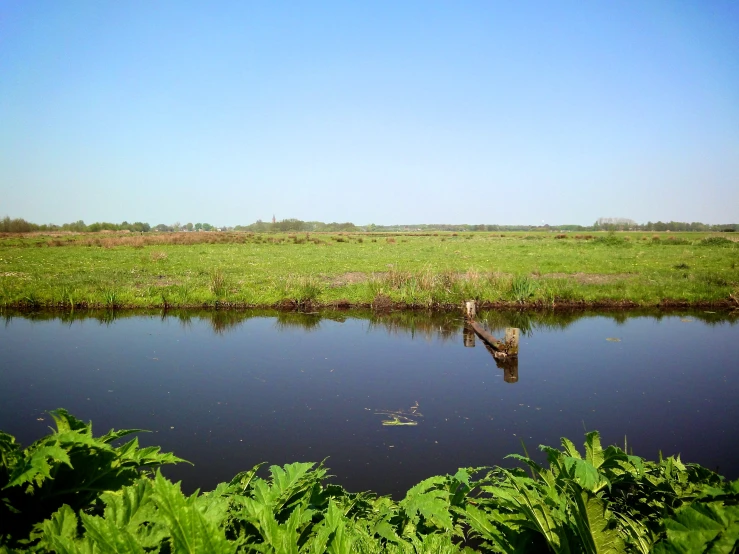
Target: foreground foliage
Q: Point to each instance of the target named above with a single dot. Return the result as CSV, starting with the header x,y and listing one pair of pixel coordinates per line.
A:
x,y
71,492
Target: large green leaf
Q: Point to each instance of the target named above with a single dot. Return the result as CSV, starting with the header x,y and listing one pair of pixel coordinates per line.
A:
x,y
10,451
542,508
242,481
638,535
67,422
596,526
109,537
702,527
134,510
593,450
37,467
288,486
584,474
426,499
62,524
569,448
501,531
189,530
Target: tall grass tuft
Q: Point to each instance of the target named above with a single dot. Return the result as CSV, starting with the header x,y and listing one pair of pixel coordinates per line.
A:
x,y
302,289
32,300
67,296
218,282
523,287
111,299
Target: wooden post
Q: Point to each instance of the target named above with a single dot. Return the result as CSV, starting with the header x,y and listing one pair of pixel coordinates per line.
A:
x,y
469,337
487,337
511,340
510,369
469,309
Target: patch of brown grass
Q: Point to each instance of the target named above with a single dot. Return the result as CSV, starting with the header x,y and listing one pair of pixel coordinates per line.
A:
x,y
589,278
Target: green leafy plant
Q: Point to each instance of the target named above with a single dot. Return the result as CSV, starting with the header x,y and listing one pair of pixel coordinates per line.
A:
x,y
69,466
605,501
70,492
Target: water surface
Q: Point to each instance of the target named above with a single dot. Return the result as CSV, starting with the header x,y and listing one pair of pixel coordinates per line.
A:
x,y
227,390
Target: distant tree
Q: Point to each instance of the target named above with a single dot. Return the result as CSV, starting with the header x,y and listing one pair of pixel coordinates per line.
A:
x,y
140,227
18,225
77,226
189,226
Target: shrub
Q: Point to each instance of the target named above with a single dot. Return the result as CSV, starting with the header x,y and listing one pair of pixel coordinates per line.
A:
x,y
716,241
611,239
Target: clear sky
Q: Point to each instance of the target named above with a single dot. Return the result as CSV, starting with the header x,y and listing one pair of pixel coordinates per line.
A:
x,y
372,112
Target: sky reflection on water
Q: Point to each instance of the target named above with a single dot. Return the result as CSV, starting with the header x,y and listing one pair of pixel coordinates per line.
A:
x,y
231,389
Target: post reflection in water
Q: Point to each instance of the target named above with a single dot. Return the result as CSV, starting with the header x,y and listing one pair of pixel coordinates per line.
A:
x,y
510,369
509,364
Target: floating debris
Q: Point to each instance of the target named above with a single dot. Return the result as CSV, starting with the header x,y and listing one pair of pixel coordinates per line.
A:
x,y
400,417
397,421
613,339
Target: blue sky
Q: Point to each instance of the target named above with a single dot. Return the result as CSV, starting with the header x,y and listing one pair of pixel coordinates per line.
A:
x,y
370,112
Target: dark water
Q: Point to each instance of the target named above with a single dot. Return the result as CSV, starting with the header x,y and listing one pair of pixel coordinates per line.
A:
x,y
229,390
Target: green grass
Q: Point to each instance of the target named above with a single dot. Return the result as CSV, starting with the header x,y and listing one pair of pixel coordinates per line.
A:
x,y
420,270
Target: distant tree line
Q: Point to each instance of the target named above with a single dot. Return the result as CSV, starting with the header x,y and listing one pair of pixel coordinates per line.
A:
x,y
621,224
19,225
600,225
296,225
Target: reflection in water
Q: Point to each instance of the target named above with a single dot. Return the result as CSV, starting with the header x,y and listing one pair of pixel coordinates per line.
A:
x,y
508,364
436,325
229,389
224,321
298,320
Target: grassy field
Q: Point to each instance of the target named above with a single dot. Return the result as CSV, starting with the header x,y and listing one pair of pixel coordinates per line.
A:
x,y
417,270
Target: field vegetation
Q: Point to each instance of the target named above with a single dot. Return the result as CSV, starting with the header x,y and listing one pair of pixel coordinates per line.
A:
x,y
73,492
305,270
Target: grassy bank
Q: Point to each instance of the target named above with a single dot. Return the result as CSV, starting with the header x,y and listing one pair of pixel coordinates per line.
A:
x,y
420,270
71,491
